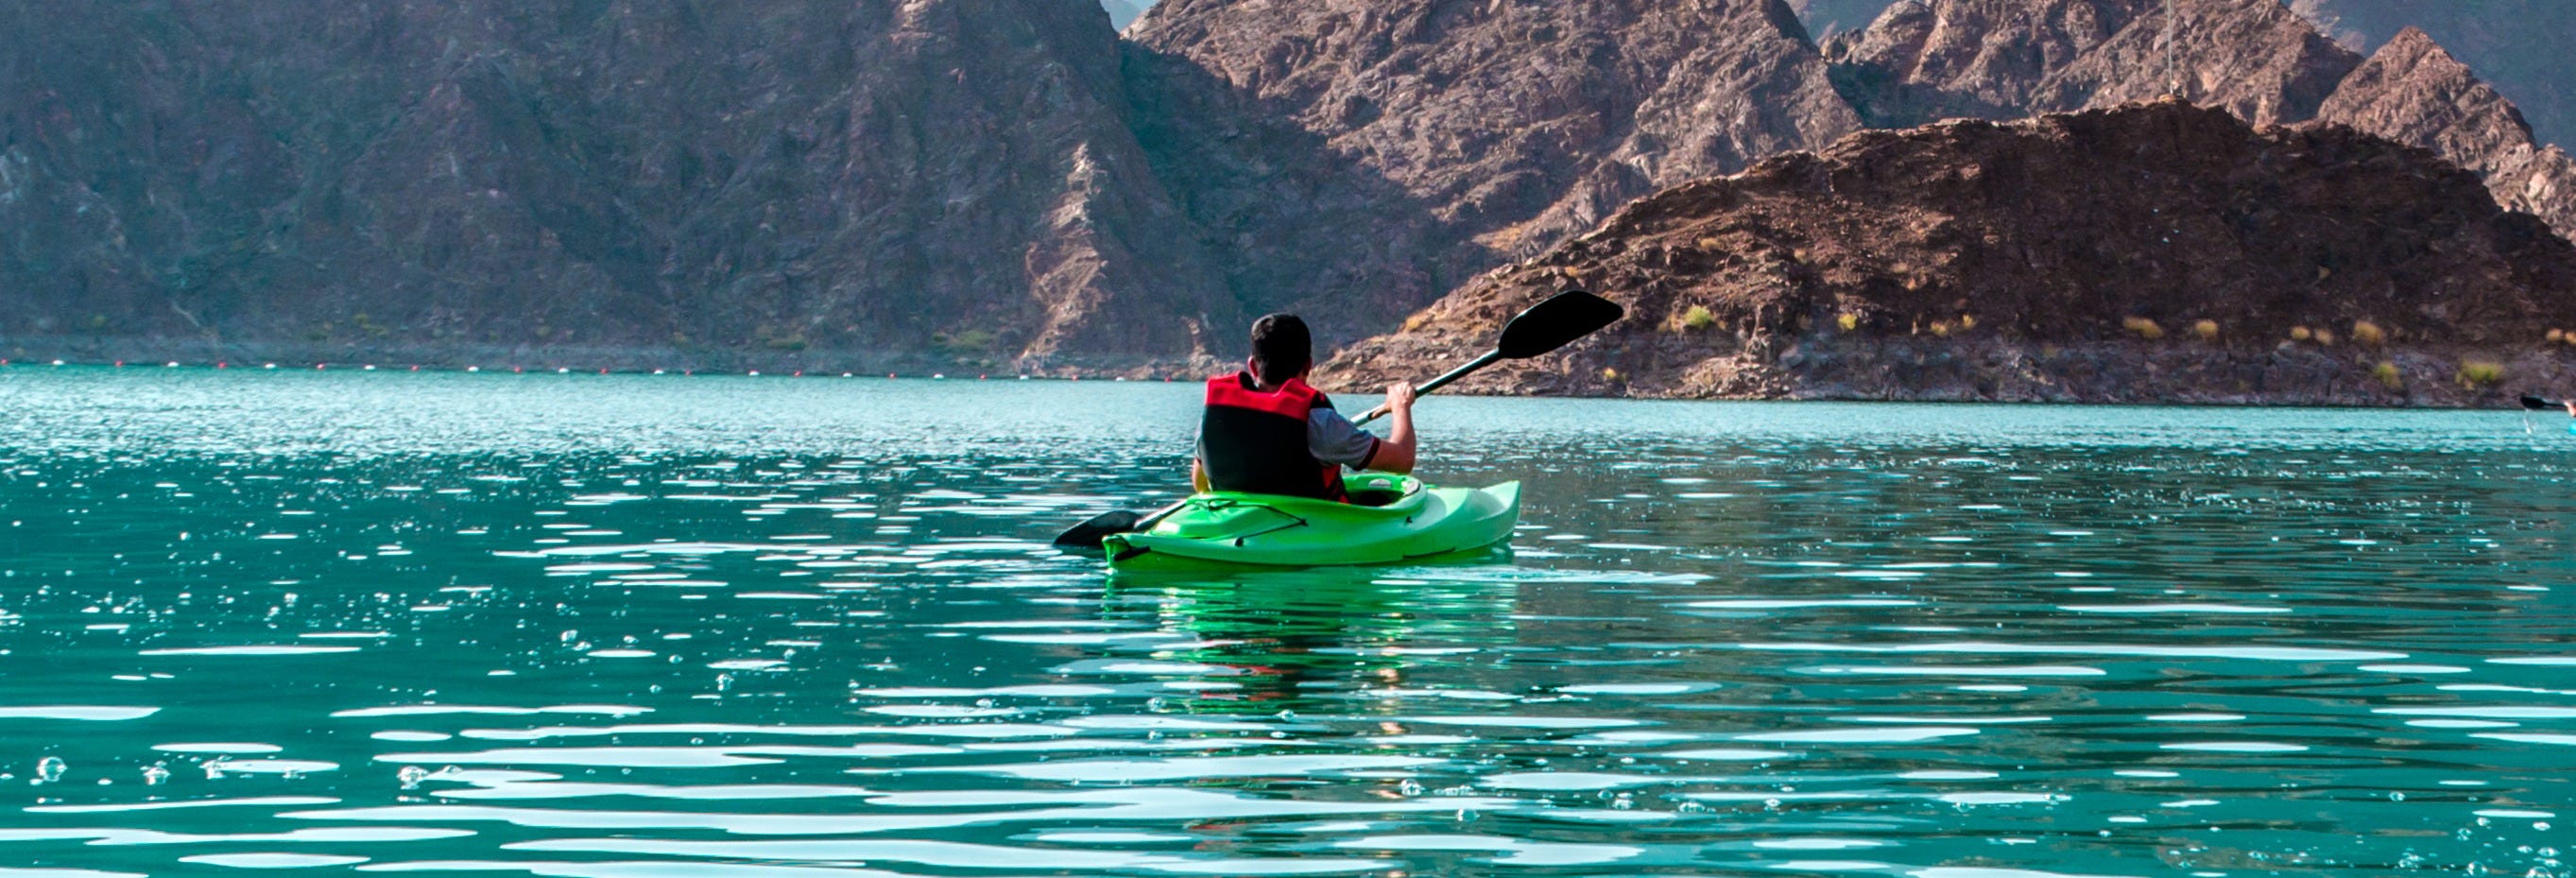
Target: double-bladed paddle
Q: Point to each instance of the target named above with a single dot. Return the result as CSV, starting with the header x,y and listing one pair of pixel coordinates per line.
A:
x,y
2535,403
1541,328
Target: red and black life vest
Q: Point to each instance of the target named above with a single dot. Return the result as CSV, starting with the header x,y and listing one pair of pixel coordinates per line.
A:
x,y
1255,440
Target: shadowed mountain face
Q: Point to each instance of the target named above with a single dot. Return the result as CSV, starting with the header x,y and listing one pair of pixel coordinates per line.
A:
x,y
854,175
2017,261
1357,159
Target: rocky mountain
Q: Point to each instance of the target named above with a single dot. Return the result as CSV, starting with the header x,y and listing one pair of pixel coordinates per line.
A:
x,y
1356,160
2412,91
1999,59
2519,45
2153,252
873,176
1923,61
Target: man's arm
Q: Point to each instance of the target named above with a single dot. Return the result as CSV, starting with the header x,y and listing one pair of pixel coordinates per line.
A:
x,y
1198,477
1395,453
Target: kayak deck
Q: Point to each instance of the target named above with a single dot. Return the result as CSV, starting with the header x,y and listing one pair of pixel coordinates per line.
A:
x,y
1406,520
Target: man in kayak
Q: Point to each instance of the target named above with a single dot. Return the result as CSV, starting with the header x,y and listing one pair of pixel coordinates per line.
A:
x,y
1265,432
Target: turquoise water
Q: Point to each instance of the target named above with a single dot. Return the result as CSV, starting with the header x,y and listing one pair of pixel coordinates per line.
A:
x,y
635,626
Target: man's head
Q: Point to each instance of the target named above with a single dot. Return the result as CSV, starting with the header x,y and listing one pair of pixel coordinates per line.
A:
x,y
1281,349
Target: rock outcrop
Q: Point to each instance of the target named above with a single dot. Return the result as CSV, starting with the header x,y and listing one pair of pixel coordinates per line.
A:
x,y
1932,59
2520,45
2070,257
2413,92
2002,59
1358,159
939,175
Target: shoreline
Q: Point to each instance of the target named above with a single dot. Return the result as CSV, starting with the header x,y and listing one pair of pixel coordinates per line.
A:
x,y
1815,369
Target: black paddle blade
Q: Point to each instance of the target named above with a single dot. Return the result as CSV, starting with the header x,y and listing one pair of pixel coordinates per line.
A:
x,y
2535,403
1087,534
1552,323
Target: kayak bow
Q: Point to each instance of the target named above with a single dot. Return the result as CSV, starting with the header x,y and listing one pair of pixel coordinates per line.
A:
x,y
1392,519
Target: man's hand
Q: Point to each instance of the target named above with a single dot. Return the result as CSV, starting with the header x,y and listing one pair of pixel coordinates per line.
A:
x,y
1399,398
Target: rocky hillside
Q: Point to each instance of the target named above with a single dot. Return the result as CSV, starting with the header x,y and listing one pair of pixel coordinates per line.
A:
x,y
2520,45
1923,61
2413,92
2003,59
1356,160
940,174
836,184
2154,252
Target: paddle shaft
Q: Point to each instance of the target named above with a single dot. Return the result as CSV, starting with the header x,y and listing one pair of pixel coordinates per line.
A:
x,y
1151,518
1491,357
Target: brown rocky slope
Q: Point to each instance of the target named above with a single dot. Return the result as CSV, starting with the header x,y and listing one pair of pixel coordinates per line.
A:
x,y
2003,59
1356,160
2413,92
1925,60
2520,45
2032,261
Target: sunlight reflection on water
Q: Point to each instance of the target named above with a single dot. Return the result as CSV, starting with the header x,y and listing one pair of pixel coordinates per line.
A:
x,y
621,626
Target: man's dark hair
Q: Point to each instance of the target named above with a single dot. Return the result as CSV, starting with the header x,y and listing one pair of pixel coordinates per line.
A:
x,y
1281,348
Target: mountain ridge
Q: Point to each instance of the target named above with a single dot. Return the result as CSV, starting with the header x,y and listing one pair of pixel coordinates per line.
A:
x,y
1974,260
978,185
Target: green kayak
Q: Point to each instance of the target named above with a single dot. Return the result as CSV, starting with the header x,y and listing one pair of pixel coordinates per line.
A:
x,y
1390,519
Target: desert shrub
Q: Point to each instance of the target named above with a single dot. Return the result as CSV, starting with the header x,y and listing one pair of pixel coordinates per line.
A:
x,y
2300,333
2207,330
1847,320
962,343
2368,334
2143,327
2386,372
2480,373
1698,317
2325,336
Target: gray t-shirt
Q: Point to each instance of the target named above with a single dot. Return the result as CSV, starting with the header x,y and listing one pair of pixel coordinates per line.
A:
x,y
1331,438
